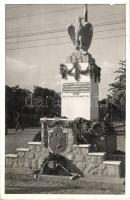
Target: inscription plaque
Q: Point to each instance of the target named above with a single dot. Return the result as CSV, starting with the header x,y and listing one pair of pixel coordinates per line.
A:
x,y
76,88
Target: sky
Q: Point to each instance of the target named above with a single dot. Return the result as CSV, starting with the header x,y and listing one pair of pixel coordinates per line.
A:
x,y
37,42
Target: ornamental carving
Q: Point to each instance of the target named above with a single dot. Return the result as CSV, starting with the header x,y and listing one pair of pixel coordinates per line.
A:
x,y
57,140
92,70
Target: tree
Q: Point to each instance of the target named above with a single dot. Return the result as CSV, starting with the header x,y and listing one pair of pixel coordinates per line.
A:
x,y
118,89
41,102
49,102
14,102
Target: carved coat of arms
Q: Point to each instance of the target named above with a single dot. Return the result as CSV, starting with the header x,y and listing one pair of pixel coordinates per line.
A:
x,y
57,140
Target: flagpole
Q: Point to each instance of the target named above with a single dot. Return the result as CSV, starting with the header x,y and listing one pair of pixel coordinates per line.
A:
x,y
86,12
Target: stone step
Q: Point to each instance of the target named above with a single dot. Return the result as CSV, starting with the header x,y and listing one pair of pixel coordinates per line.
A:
x,y
10,160
85,148
112,162
97,155
51,131
21,152
118,157
11,155
113,168
35,146
22,149
34,143
83,145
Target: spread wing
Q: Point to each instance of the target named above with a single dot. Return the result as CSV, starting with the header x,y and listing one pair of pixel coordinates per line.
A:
x,y
71,32
86,36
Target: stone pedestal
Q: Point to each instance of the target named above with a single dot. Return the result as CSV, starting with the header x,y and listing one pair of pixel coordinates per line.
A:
x,y
79,88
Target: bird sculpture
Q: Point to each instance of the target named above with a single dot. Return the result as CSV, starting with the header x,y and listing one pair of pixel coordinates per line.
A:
x,y
81,34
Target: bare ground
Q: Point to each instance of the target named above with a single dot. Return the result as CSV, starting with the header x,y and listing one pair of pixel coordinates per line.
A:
x,y
54,185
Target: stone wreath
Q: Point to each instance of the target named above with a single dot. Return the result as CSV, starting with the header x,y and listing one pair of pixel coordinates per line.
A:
x,y
76,71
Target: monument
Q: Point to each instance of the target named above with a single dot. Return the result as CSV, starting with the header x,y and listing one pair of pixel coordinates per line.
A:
x,y
80,75
85,144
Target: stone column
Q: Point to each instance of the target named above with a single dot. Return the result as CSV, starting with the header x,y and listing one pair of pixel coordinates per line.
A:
x,y
79,89
44,131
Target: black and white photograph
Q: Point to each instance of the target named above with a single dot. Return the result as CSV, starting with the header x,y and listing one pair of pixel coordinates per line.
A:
x,y
65,99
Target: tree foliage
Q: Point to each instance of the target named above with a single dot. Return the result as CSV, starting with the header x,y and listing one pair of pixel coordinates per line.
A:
x,y
118,89
39,103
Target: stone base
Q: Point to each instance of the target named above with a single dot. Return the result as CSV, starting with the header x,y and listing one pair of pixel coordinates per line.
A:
x,y
79,160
